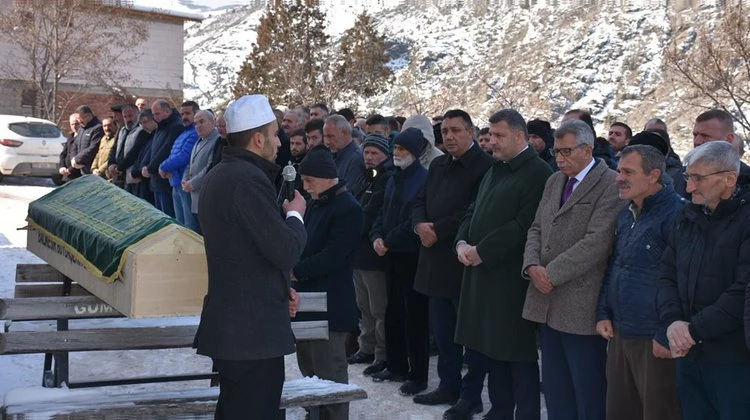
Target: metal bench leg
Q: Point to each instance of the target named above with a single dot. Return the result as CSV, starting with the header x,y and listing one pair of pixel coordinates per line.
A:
x,y
61,368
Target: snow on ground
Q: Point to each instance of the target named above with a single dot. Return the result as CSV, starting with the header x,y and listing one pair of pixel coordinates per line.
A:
x,y
25,371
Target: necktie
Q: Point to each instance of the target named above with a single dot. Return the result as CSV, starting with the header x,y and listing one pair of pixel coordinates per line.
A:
x,y
567,191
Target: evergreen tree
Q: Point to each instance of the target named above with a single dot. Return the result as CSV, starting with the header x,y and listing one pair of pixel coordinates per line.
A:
x,y
283,63
362,68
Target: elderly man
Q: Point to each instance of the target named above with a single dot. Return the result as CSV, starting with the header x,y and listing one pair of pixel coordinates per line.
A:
x,y
117,154
490,244
87,139
251,248
565,259
640,374
429,151
200,158
174,166
334,223
66,170
705,271
369,267
712,125
168,129
293,119
451,186
337,136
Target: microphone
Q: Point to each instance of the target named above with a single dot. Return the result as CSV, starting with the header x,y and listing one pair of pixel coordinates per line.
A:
x,y
289,174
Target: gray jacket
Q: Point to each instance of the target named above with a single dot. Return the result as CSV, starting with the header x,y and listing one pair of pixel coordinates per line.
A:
x,y
573,243
200,160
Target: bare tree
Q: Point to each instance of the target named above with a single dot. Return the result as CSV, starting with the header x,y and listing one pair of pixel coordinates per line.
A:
x,y
76,43
714,63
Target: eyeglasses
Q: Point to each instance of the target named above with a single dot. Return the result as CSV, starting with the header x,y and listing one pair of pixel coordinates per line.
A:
x,y
697,178
566,151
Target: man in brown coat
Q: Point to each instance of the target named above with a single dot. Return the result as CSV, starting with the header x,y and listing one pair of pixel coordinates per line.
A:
x,y
565,258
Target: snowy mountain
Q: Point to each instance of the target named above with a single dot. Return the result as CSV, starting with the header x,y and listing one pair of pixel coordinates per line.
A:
x,y
541,57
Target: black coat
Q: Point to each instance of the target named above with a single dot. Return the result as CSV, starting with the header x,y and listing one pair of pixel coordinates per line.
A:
x,y
393,224
250,249
705,271
450,188
69,150
87,143
370,194
680,184
161,146
334,225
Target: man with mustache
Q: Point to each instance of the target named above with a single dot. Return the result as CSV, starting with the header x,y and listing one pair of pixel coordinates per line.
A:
x,y
638,351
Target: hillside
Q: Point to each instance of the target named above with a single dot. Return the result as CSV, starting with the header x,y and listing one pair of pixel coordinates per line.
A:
x,y
479,56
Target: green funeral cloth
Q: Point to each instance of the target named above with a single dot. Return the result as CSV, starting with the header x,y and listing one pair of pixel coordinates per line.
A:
x,y
96,222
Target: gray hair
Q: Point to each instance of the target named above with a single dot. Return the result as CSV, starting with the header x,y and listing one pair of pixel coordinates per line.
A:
x,y
209,115
719,155
340,123
651,158
655,123
579,129
299,114
514,120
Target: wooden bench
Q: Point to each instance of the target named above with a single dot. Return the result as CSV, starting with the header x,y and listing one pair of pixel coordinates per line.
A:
x,y
42,293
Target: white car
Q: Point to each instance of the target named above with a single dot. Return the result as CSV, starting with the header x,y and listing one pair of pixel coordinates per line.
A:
x,y
30,147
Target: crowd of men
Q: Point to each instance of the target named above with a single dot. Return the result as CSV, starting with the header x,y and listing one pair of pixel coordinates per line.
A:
x,y
624,267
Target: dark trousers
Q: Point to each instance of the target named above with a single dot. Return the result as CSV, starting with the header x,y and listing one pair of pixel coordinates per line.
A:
x,y
451,356
514,388
573,373
250,390
716,391
639,386
326,359
163,201
141,190
406,320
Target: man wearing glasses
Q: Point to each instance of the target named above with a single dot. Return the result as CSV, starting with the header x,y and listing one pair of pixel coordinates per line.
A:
x,y
565,258
705,271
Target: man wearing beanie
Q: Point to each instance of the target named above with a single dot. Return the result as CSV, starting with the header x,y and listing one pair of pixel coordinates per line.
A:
x,y
392,234
369,267
452,183
334,224
250,248
541,138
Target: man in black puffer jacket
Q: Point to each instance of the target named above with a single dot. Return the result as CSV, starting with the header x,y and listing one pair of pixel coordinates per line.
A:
x,y
705,271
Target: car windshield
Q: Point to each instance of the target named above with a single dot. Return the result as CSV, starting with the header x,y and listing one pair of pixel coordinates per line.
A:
x,y
35,129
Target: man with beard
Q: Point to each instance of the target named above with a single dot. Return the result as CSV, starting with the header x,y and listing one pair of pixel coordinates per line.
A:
x,y
87,140
101,161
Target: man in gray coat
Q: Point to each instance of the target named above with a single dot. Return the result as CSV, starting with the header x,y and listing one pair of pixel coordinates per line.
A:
x,y
200,157
565,258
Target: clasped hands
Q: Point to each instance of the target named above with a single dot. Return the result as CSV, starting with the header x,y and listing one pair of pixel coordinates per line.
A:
x,y
680,340
427,234
468,255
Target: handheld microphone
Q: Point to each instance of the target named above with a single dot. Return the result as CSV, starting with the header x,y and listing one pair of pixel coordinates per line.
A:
x,y
290,178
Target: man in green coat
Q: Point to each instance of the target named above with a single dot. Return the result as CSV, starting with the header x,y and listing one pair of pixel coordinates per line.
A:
x,y
490,243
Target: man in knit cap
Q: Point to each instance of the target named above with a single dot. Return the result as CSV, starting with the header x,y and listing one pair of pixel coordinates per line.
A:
x,y
334,223
428,151
392,233
369,267
541,139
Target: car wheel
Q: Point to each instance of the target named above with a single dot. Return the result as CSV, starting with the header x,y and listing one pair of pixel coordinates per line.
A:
x,y
57,180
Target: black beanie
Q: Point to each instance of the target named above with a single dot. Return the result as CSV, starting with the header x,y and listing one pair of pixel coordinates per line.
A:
x,y
318,163
542,129
376,140
412,140
650,139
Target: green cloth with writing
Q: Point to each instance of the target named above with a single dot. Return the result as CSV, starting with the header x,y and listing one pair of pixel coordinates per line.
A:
x,y
96,221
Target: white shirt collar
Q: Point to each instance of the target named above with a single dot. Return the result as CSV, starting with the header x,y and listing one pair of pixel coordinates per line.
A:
x,y
583,173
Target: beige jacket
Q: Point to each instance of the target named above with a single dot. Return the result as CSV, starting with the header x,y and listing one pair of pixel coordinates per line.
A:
x,y
574,243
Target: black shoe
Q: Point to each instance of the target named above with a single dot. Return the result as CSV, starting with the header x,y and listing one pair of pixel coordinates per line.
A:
x,y
463,410
376,367
387,375
412,387
436,397
360,357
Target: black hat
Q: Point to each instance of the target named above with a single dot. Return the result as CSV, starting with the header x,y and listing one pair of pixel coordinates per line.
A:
x,y
542,129
650,139
412,140
318,163
376,140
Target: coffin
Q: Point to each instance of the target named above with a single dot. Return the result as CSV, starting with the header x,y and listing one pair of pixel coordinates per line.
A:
x,y
120,248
